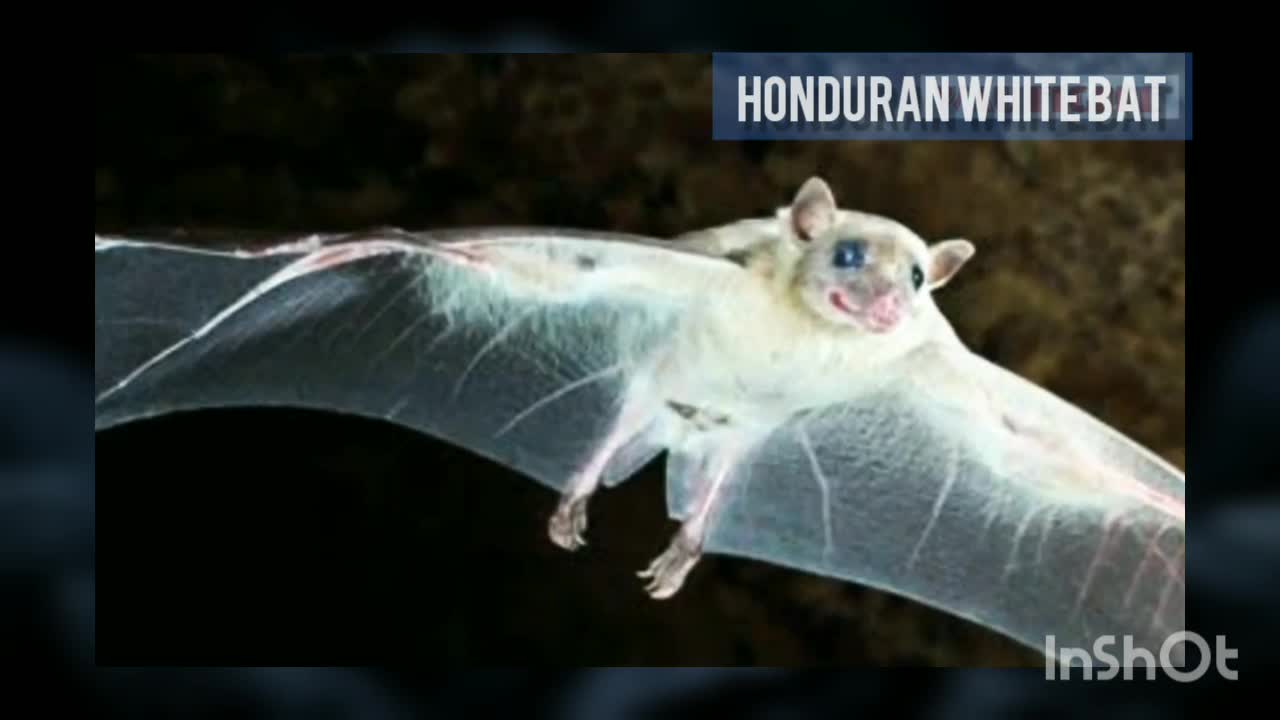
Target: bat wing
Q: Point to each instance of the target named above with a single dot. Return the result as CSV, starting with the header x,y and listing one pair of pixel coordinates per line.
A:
x,y
513,343
968,488
950,481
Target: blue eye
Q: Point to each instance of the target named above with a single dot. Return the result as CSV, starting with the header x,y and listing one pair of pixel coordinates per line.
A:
x,y
849,254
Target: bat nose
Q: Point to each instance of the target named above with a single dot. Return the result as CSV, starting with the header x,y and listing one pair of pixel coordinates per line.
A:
x,y
882,285
886,309
889,302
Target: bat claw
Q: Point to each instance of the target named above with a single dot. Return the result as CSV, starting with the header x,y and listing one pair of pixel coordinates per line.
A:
x,y
568,523
667,572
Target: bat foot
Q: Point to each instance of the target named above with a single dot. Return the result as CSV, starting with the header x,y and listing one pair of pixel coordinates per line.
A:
x,y
568,523
666,574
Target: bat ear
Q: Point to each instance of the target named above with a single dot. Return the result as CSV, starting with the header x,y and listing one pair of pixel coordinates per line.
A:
x,y
813,210
945,258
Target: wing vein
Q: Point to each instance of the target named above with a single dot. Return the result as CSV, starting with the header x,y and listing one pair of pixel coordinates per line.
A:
x,y
953,464
823,485
561,392
318,260
493,342
1012,562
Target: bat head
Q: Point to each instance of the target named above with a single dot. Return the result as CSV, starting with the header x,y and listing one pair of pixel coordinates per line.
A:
x,y
862,270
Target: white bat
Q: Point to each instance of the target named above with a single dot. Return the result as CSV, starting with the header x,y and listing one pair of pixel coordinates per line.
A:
x,y
817,409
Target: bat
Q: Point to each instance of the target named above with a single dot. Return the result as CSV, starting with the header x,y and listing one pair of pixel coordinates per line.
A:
x,y
816,408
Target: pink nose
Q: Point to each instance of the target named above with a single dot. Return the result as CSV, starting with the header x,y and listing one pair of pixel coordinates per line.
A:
x,y
885,309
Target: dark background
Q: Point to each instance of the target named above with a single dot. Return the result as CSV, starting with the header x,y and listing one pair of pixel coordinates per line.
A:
x,y
232,545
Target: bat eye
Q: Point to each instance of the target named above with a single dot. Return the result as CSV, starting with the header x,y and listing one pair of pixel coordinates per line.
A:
x,y
917,276
849,254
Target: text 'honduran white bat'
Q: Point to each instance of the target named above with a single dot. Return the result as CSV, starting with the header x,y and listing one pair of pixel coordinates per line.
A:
x,y
817,409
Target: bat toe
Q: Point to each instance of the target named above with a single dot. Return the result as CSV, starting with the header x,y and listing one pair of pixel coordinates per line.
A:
x,y
667,573
568,523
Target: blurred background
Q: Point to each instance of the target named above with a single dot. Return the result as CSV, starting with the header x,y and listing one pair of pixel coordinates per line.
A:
x,y
278,538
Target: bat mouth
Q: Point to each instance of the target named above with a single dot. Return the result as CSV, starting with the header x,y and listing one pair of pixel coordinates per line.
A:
x,y
838,300
874,321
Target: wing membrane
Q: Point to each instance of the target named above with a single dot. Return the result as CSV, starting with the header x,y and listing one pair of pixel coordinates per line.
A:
x,y
387,330
1024,514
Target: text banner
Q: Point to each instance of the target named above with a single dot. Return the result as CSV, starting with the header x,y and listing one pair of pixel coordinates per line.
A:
x,y
951,96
